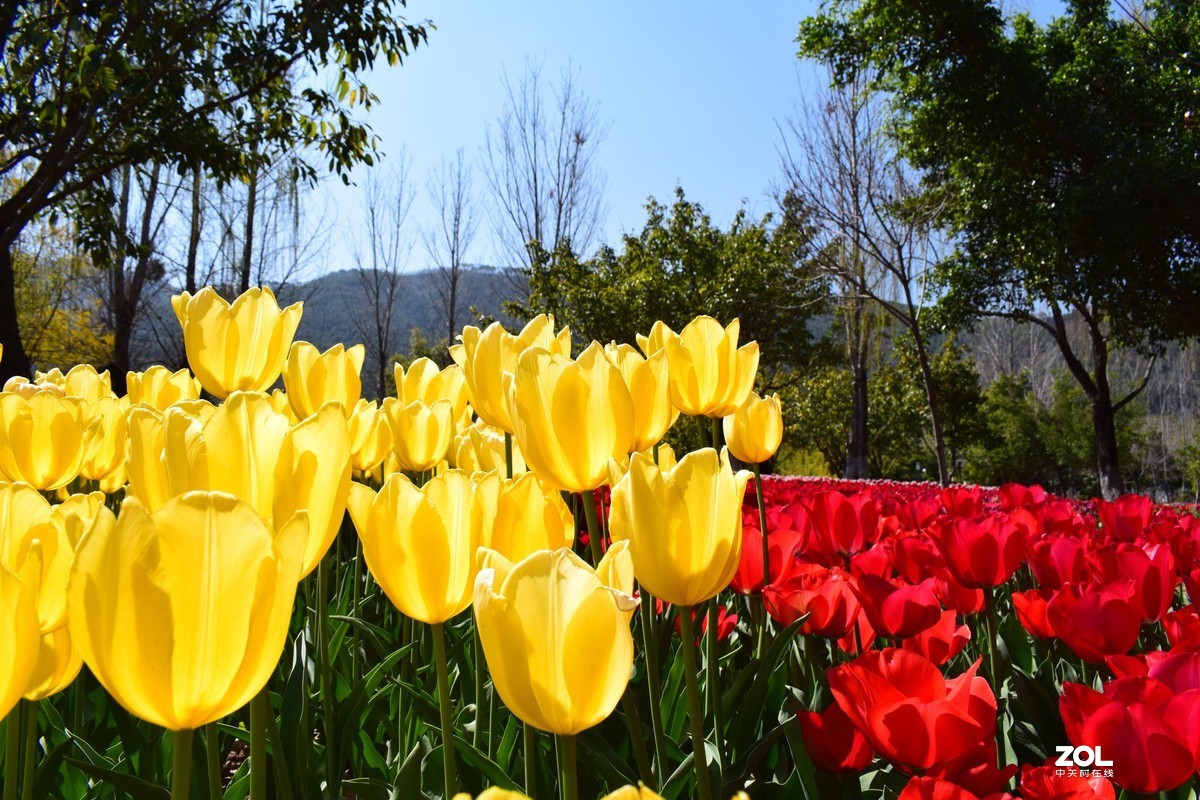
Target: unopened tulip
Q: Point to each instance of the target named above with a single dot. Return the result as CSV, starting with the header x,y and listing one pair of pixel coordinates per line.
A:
x,y
755,430
493,793
312,378
421,434
656,340
370,436
481,448
44,438
58,663
528,518
236,347
485,356
639,792
710,375
556,637
82,381
833,742
159,387
425,381
182,614
105,463
648,381
684,525
572,417
18,631
420,543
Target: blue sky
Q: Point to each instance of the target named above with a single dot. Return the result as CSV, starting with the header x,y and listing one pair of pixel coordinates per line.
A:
x,y
692,94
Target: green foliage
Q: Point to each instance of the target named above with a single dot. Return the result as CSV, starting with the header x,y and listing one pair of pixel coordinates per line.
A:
x,y
681,265
1027,441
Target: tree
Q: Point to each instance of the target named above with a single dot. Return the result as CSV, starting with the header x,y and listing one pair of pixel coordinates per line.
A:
x,y
1064,156
539,163
386,203
875,239
681,265
91,86
447,242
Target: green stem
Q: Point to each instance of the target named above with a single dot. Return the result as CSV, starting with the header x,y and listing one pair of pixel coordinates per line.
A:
x,y
12,753
636,737
766,558
29,746
567,767
653,680
356,655
212,752
716,433
445,706
480,667
713,672
181,764
529,749
260,707
508,455
588,500
695,711
322,611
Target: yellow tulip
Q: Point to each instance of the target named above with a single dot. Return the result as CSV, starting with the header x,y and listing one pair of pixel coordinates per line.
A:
x,y
44,438
312,378
312,474
485,356
420,543
571,417
480,448
236,347
421,433
370,436
58,663
106,449
159,387
19,384
657,338
82,381
710,375
755,430
182,614
424,381
494,793
684,525
19,632
649,384
528,518
639,792
555,636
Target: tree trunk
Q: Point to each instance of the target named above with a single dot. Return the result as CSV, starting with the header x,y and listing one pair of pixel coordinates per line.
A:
x,y
14,361
935,412
189,269
248,244
1104,421
856,448
127,303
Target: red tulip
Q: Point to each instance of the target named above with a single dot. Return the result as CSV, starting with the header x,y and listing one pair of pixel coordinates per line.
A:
x,y
1179,672
915,558
1031,608
898,610
1014,495
826,595
1151,571
726,624
833,742
1182,627
917,513
941,642
1125,519
841,526
963,501
985,551
783,546
1151,734
952,594
934,789
1056,559
909,712
976,771
1044,783
1096,621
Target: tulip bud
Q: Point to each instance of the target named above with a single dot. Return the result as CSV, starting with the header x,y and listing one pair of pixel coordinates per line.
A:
x,y
420,434
159,387
370,436
684,525
648,381
182,614
556,637
58,662
236,347
312,379
710,375
485,356
754,431
43,438
425,382
572,416
528,518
